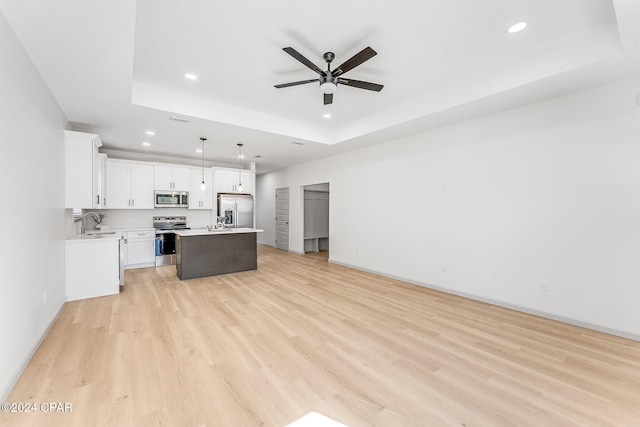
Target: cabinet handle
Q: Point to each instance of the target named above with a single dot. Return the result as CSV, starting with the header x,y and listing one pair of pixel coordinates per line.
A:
x,y
133,203
98,200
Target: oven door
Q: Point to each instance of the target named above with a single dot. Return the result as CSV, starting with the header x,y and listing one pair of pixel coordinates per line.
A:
x,y
165,249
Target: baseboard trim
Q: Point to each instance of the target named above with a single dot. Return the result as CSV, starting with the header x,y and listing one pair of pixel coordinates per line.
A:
x,y
296,252
25,362
551,316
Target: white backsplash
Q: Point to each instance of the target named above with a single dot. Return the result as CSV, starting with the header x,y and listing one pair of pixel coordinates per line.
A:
x,y
130,218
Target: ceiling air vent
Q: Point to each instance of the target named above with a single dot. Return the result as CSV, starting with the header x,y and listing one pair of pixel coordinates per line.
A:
x,y
179,119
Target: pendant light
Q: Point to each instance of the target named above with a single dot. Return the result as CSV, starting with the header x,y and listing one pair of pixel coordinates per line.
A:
x,y
240,168
203,186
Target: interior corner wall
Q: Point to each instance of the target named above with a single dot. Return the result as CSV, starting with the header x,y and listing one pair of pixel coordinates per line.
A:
x,y
496,208
34,218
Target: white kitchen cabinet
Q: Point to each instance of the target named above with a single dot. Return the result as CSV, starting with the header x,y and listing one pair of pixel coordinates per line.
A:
x,y
171,177
129,185
82,171
92,268
227,180
140,248
199,199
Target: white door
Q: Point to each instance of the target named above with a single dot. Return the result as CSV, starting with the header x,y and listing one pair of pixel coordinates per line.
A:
x,y
282,218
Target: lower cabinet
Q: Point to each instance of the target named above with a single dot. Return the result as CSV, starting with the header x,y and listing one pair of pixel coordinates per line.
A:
x,y
140,249
92,268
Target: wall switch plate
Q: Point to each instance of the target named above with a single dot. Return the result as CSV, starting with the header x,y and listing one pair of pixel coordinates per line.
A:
x,y
444,268
544,285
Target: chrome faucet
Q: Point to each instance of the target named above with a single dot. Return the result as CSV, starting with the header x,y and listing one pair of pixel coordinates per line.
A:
x,y
96,217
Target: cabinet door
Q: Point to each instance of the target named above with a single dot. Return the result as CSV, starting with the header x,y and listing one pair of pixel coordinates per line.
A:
x,y
142,186
101,163
226,180
140,251
248,182
181,179
163,178
81,150
207,195
199,199
118,185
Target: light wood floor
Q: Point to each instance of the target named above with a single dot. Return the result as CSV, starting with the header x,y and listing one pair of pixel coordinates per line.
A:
x,y
300,335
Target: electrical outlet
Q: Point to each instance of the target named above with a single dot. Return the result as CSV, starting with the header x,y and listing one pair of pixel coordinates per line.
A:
x,y
357,251
544,285
444,268
494,276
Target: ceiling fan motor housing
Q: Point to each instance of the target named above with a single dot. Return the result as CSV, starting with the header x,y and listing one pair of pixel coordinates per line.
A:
x,y
328,83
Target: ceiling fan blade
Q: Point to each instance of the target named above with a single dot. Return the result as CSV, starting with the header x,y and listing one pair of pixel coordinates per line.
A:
x,y
297,55
361,85
328,98
357,59
301,82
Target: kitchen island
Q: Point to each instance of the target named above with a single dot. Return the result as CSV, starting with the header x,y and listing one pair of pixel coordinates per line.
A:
x,y
202,252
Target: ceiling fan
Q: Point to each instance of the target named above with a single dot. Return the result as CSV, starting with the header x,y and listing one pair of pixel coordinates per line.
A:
x,y
330,79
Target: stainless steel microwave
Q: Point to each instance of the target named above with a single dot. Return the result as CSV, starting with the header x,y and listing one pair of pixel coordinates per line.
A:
x,y
171,199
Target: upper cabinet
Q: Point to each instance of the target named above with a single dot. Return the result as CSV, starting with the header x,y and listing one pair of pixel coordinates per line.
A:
x,y
129,185
228,180
83,171
199,199
171,177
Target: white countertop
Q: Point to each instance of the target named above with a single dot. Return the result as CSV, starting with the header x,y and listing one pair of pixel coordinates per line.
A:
x,y
204,231
99,235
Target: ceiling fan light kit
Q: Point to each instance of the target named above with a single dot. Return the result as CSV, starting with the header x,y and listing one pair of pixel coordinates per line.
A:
x,y
329,80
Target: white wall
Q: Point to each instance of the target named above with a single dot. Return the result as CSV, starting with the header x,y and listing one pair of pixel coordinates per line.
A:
x,y
33,214
132,218
491,207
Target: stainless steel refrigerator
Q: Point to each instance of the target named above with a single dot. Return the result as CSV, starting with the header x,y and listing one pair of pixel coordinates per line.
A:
x,y
237,209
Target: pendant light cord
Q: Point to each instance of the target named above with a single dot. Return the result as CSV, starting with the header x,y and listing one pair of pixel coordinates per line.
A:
x,y
240,168
203,140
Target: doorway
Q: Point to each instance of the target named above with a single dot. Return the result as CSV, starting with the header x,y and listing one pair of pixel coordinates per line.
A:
x,y
316,217
282,218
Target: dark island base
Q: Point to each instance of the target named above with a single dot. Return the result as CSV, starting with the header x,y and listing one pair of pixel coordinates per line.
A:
x,y
213,254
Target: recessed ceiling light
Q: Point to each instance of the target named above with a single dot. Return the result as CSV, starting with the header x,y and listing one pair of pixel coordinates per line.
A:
x,y
198,151
327,115
297,143
146,144
150,132
191,76
516,28
241,156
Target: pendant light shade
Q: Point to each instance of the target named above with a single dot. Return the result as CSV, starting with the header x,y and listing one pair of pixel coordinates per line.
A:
x,y
240,168
203,186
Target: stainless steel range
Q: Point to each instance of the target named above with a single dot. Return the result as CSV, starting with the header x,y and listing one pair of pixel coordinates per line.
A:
x,y
166,239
